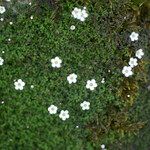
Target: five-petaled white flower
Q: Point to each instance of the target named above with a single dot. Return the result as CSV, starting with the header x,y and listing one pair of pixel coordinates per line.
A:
x,y
127,71
1,61
91,84
72,78
133,62
79,14
2,9
72,27
64,114
139,53
85,105
52,109
134,36
56,62
19,85
76,13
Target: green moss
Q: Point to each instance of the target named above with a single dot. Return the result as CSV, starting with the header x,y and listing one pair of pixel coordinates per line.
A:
x,y
97,45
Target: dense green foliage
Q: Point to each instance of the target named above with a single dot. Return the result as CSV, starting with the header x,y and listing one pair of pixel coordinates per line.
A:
x,y
98,45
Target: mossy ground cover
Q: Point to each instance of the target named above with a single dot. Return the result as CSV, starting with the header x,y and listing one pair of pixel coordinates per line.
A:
x,y
98,48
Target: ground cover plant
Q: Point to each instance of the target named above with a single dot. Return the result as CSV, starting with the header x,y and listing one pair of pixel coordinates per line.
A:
x,y
66,81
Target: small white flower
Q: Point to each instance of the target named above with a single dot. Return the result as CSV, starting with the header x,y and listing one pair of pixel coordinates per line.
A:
x,y
9,39
64,114
2,9
31,17
3,52
72,27
56,62
133,62
84,13
128,95
72,78
8,0
85,105
30,3
2,19
80,14
52,109
19,85
91,84
134,36
103,80
127,71
76,12
139,53
32,86
1,61
102,146
10,23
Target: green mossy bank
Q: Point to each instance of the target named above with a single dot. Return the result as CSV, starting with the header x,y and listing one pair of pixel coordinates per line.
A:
x,y
98,48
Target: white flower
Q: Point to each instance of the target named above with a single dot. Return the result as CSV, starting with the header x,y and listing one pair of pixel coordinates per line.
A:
x,y
72,78
103,80
52,109
31,17
72,27
76,13
133,62
91,84
2,9
1,61
8,0
2,19
84,13
64,114
102,146
79,14
127,71
56,62
30,3
10,23
85,105
134,36
139,53
19,84
32,86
